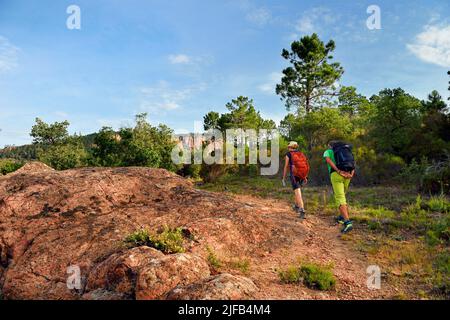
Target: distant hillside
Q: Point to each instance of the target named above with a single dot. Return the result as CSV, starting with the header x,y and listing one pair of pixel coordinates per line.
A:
x,y
28,151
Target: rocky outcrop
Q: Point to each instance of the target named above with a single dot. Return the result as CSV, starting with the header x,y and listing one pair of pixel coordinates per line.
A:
x,y
119,272
162,275
51,221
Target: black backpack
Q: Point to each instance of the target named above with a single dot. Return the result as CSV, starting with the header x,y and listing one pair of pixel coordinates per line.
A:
x,y
343,156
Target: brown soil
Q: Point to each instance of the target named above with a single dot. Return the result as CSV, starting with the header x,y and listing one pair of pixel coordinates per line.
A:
x,y
51,220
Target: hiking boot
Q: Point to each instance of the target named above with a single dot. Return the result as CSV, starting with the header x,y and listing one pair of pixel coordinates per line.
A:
x,y
340,220
300,211
348,226
302,214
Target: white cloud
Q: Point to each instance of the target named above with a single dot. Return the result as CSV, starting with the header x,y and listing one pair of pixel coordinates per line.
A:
x,y
162,98
8,55
315,19
272,80
259,16
179,59
432,45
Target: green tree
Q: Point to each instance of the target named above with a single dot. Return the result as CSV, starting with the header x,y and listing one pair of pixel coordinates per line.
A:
x,y
435,103
432,138
55,147
67,154
352,103
142,145
320,126
395,120
107,148
211,120
49,134
242,114
311,78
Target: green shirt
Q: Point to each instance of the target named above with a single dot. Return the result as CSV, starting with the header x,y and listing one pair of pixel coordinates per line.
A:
x,y
329,154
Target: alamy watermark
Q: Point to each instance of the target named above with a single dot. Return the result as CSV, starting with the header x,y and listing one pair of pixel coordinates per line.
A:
x,y
373,22
73,21
234,146
374,279
73,281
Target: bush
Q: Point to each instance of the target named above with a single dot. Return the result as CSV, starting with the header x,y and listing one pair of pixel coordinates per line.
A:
x,y
9,165
168,240
213,260
241,265
433,177
317,277
143,145
438,204
312,275
371,168
68,155
290,275
191,170
441,280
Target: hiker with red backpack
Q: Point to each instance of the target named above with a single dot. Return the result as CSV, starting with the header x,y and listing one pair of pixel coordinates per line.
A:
x,y
298,166
341,167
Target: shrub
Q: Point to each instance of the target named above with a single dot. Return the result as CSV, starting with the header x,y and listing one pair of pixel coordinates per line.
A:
x,y
9,165
290,275
438,204
438,231
168,240
441,280
241,265
68,155
191,170
429,176
312,275
141,145
213,260
317,277
432,238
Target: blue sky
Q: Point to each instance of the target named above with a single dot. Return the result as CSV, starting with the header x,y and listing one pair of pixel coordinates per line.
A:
x,y
179,59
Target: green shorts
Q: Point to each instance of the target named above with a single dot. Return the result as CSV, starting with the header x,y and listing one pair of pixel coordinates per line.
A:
x,y
340,187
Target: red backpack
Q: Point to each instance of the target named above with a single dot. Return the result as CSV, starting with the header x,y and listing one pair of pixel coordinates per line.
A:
x,y
300,165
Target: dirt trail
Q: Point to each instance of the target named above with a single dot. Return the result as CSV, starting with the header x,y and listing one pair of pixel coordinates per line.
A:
x,y
52,220
321,243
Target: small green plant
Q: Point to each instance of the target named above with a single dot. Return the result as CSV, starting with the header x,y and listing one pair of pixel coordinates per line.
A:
x,y
168,240
432,238
374,225
213,260
441,280
290,275
312,275
242,265
438,204
317,277
139,238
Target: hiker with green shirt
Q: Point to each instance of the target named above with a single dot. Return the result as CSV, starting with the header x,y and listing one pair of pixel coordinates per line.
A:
x,y
341,167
